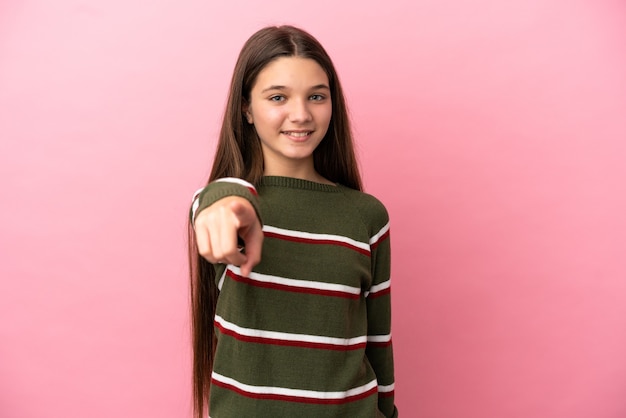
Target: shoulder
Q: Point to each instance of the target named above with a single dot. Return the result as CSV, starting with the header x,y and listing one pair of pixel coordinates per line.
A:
x,y
373,212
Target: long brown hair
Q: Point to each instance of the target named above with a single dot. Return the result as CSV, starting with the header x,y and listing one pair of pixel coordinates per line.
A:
x,y
239,154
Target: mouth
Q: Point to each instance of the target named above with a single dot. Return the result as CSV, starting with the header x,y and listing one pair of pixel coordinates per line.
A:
x,y
297,134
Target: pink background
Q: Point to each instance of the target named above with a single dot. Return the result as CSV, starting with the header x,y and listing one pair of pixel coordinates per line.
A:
x,y
495,132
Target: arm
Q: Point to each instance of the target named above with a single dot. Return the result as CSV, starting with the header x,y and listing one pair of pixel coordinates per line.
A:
x,y
379,349
222,213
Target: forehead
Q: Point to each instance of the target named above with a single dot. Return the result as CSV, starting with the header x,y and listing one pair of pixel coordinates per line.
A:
x,y
291,72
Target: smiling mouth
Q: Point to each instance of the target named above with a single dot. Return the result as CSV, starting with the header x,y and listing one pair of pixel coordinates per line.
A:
x,y
298,134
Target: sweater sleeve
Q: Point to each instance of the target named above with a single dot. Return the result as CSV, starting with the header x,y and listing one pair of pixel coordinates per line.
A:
x,y
379,346
221,188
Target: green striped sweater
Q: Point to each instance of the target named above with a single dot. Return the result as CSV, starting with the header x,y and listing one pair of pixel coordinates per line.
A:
x,y
307,334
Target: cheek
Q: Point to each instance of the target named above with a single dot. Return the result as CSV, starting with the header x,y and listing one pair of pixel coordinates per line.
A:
x,y
268,116
324,114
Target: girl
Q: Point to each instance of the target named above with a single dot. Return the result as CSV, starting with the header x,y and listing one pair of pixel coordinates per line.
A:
x,y
290,260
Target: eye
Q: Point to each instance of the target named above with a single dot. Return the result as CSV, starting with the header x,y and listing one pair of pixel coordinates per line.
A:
x,y
277,98
317,97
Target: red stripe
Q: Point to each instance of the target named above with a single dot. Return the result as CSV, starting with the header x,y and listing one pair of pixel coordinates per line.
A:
x,y
288,288
385,394
295,398
253,191
379,344
379,293
316,241
273,341
380,239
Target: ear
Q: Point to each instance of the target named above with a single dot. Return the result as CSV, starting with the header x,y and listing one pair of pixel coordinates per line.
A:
x,y
245,108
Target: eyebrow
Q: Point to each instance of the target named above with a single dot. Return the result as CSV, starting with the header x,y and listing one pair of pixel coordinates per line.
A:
x,y
276,87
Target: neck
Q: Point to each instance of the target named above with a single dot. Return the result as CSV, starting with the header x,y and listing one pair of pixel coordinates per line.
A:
x,y
303,171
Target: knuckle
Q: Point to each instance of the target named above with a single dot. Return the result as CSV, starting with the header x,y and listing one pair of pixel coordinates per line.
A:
x,y
204,251
217,255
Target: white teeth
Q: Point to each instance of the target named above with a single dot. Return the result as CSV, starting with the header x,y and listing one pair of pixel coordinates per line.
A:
x,y
298,134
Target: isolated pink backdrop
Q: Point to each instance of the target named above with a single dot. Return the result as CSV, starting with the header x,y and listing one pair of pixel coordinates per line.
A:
x,y
495,133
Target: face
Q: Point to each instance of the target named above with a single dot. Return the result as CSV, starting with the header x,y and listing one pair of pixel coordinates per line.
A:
x,y
290,108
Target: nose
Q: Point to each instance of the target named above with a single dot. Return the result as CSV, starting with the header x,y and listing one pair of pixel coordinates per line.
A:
x,y
299,111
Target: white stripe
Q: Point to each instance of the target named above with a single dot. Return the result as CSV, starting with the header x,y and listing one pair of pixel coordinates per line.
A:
x,y
221,282
301,393
194,208
195,204
380,233
236,181
379,338
197,193
316,237
308,284
379,287
388,388
275,335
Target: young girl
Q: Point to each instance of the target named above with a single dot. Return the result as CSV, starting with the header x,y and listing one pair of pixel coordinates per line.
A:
x,y
290,260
